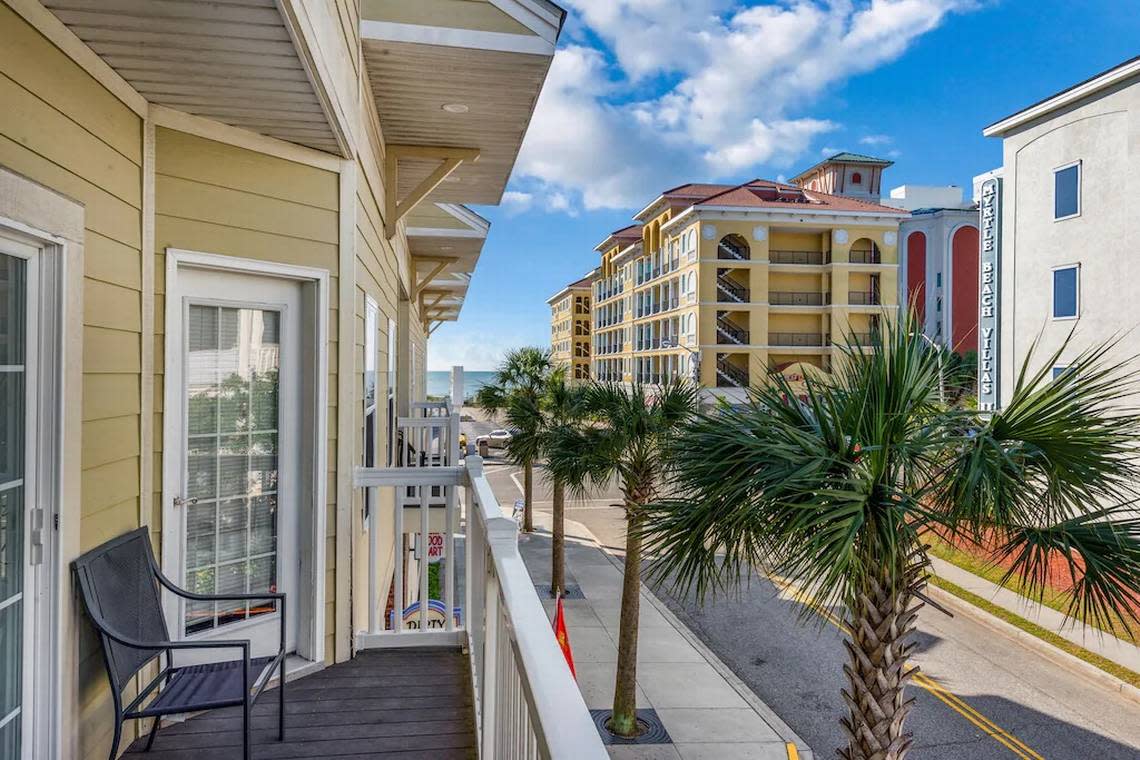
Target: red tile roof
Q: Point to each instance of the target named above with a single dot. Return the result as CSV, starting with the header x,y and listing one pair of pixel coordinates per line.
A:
x,y
762,193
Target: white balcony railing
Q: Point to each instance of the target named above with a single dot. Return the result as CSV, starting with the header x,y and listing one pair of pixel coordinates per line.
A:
x,y
527,704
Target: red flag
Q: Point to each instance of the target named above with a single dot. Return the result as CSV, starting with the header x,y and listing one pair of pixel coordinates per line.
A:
x,y
563,637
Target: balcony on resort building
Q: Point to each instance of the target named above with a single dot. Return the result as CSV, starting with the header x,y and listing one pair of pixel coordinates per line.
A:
x,y
798,298
806,258
797,339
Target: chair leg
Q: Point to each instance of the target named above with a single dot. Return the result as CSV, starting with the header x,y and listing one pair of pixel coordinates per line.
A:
x,y
281,702
246,728
153,733
115,740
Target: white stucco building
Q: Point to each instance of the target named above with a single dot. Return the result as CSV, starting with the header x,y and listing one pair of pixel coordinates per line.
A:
x,y
938,257
1070,219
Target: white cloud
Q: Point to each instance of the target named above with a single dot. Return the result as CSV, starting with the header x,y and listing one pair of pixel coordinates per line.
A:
x,y
876,140
604,135
515,202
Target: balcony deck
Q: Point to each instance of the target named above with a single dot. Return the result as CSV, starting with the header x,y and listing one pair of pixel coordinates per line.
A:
x,y
383,704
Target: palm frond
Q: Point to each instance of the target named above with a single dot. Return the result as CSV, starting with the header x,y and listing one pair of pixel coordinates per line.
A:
x,y
1099,550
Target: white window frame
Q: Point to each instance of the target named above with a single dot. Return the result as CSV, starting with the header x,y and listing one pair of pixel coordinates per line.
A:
x,y
310,637
1052,292
1080,187
46,480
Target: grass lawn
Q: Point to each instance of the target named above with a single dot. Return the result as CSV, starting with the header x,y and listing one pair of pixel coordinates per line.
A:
x,y
1052,598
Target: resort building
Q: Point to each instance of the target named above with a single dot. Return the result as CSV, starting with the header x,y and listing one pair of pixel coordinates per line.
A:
x,y
938,258
851,175
226,233
570,322
1058,225
731,282
612,353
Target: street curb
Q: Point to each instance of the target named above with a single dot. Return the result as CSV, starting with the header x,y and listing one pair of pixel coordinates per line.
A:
x,y
1069,662
797,747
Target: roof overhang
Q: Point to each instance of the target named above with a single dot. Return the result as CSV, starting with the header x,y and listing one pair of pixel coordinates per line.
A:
x,y
459,81
1064,98
756,213
248,66
445,241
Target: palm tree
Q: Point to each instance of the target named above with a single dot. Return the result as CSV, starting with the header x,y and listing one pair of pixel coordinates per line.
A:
x,y
630,430
560,405
836,493
520,379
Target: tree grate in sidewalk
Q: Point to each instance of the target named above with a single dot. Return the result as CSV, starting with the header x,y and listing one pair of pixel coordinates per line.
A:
x,y
653,730
572,591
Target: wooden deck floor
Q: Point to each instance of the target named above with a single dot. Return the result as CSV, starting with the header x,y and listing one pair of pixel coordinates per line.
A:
x,y
384,704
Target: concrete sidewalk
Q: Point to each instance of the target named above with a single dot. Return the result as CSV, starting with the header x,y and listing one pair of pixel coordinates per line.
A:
x,y
1122,652
708,712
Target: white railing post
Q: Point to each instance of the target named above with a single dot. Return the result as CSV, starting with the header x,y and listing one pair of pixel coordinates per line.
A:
x,y
375,613
490,686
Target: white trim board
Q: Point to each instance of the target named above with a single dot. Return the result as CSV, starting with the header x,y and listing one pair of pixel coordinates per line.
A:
x,y
209,129
176,258
389,31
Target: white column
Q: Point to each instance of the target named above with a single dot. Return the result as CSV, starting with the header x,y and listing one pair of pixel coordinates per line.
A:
x,y
456,387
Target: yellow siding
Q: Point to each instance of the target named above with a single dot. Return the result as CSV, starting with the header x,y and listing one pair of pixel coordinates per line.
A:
x,y
62,129
221,199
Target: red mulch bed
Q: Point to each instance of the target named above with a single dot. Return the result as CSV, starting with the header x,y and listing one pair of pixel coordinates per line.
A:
x,y
1059,576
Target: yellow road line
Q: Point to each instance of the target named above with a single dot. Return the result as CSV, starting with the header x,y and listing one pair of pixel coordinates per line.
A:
x,y
793,753
930,685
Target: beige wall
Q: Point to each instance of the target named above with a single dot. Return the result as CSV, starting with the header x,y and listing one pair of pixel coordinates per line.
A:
x,y
1104,135
219,199
62,129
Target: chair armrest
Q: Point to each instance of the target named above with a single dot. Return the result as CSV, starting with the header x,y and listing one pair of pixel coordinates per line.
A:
x,y
209,644
175,588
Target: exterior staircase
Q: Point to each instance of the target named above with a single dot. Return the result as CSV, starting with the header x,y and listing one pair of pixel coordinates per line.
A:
x,y
730,290
726,249
730,332
728,374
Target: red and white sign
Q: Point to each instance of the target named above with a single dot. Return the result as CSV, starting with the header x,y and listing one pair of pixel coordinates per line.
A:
x,y
435,547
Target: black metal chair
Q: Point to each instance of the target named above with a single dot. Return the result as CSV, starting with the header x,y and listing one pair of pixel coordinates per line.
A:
x,y
119,582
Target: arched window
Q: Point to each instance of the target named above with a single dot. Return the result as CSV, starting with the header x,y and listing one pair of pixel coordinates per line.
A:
x,y
733,248
856,178
916,275
864,251
964,289
692,282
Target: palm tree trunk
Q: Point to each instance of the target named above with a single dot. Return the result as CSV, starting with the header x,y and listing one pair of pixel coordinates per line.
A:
x,y
624,720
558,544
528,498
878,646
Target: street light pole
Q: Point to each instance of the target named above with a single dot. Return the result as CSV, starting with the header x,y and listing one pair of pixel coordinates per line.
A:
x,y
694,360
941,368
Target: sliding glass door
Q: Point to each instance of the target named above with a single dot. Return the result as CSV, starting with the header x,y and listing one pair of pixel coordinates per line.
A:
x,y
13,444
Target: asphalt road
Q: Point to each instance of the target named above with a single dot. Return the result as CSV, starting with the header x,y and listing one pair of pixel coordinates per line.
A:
x,y
987,696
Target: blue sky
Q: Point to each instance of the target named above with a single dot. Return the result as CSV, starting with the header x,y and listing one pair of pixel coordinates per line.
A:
x,y
645,94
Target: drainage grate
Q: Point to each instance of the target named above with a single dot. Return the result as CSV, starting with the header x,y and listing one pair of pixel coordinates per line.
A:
x,y
653,730
572,591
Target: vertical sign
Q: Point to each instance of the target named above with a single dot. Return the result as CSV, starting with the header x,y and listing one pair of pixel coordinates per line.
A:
x,y
989,296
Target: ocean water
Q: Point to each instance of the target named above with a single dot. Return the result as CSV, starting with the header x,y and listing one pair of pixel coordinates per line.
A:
x,y
439,383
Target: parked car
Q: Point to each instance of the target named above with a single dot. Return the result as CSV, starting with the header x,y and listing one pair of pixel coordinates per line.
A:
x,y
496,439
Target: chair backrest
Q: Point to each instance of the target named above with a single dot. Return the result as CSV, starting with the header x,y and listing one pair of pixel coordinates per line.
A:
x,y
120,590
